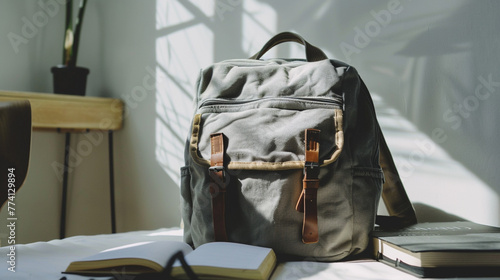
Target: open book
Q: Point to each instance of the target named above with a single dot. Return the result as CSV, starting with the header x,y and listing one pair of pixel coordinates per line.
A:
x,y
211,260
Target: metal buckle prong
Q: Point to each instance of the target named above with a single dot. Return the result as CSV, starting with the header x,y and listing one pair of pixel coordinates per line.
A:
x,y
310,164
216,168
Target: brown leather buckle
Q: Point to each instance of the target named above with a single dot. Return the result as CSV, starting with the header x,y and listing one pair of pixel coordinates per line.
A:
x,y
311,170
307,202
310,165
217,168
217,187
218,176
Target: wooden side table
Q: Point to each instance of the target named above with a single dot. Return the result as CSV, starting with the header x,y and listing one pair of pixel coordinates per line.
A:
x,y
69,114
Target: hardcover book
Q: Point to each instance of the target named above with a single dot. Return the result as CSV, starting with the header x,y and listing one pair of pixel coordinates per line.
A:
x,y
450,249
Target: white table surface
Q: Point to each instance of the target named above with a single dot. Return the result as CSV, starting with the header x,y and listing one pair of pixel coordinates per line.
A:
x,y
46,260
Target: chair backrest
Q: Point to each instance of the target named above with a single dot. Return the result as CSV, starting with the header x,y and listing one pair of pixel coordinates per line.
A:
x,y
15,146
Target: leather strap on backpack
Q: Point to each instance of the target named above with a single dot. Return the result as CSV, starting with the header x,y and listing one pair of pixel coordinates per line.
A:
x,y
218,186
307,202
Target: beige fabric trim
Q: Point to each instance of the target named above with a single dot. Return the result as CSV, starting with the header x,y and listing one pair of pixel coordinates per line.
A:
x,y
193,144
260,165
266,166
339,137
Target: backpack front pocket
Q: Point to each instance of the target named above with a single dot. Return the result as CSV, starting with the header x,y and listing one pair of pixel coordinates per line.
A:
x,y
268,134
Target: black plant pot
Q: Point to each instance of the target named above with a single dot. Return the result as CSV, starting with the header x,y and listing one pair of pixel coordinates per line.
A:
x,y
70,79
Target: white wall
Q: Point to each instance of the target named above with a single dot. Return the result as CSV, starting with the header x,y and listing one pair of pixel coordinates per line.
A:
x,y
32,34
428,65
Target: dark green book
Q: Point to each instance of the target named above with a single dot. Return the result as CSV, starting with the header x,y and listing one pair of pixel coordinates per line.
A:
x,y
450,249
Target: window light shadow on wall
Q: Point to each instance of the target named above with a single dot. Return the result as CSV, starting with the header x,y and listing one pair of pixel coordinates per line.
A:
x,y
184,45
434,64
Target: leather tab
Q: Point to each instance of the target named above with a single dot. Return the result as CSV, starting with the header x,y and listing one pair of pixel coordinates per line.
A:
x,y
300,202
307,202
217,187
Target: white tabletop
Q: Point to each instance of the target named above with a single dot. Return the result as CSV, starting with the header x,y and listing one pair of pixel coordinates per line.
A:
x,y
46,260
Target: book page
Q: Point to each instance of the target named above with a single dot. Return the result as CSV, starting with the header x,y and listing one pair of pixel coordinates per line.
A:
x,y
468,242
156,251
228,255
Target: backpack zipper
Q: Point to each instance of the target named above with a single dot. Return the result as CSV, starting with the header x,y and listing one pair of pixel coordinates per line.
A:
x,y
336,102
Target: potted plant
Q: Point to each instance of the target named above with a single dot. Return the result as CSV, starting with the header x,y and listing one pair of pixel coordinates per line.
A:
x,y
69,78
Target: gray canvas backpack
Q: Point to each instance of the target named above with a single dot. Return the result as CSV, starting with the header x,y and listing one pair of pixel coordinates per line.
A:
x,y
287,154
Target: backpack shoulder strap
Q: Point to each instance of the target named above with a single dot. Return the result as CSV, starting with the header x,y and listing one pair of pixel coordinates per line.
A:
x,y
401,212
393,193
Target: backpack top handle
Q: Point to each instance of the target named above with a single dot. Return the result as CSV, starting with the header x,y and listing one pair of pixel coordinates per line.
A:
x,y
312,53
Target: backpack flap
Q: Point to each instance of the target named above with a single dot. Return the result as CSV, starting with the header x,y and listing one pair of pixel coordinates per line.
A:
x,y
265,119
